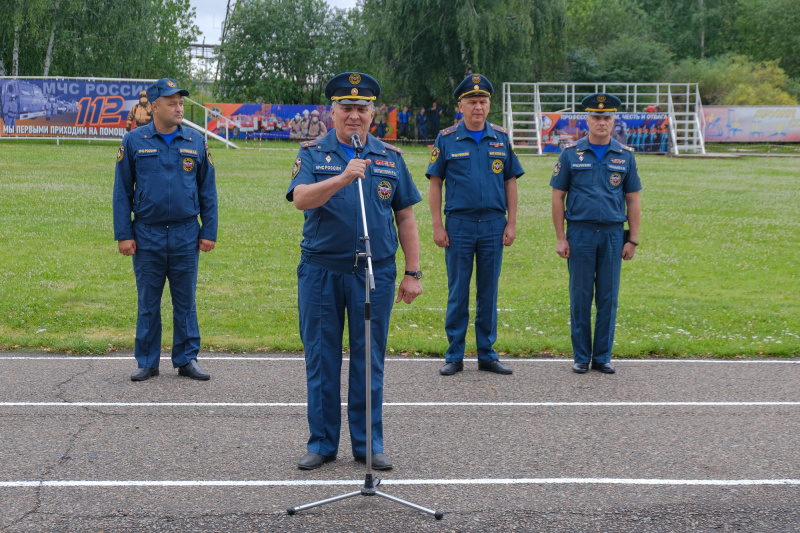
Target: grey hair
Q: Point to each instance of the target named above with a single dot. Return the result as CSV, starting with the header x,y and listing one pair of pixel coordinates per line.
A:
x,y
370,105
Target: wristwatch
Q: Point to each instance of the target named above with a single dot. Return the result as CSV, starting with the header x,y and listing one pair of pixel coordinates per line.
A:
x,y
415,273
633,242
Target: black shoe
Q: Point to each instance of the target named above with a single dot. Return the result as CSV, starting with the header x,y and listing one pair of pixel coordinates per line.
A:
x,y
580,368
144,374
495,366
605,368
193,370
380,461
312,461
451,368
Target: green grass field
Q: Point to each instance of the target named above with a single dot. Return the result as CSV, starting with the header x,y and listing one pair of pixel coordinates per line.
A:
x,y
717,273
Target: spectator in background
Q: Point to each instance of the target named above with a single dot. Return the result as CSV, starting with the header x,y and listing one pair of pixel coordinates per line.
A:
x,y
402,123
459,116
422,123
381,120
435,118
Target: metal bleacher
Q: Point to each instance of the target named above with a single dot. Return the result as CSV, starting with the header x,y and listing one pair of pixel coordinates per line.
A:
x,y
524,104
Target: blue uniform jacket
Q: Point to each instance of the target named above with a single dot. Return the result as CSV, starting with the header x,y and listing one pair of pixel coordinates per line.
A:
x,y
596,189
163,184
332,231
474,173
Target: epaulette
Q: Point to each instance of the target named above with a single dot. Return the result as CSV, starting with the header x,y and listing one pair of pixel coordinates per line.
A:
x,y
448,131
392,147
628,148
501,129
570,145
309,144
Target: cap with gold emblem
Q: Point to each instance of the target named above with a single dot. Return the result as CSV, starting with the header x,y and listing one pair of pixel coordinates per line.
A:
x,y
164,87
601,104
353,88
474,85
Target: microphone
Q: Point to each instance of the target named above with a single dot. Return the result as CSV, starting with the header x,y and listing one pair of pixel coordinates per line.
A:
x,y
355,142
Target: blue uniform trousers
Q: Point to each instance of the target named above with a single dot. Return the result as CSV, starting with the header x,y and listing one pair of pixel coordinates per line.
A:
x,y
323,298
166,252
595,263
481,242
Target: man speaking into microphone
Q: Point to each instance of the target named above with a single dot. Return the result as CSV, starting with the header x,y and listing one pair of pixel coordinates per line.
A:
x,y
331,277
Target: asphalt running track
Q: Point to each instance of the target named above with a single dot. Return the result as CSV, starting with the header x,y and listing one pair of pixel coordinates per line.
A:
x,y
663,445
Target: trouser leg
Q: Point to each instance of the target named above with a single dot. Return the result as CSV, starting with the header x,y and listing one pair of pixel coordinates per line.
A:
x,y
582,261
183,261
488,262
458,258
609,267
381,300
321,309
150,268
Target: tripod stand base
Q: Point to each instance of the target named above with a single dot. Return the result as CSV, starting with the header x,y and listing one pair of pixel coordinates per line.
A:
x,y
367,490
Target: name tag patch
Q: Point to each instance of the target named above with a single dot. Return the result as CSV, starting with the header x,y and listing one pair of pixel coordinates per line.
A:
x,y
384,171
497,154
186,151
459,155
621,168
581,166
328,169
147,151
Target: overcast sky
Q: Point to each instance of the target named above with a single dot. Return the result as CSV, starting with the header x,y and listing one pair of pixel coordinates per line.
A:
x,y
211,15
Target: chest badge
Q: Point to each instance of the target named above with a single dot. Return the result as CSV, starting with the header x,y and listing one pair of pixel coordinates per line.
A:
x,y
616,179
434,155
618,161
328,158
296,168
497,166
188,164
384,190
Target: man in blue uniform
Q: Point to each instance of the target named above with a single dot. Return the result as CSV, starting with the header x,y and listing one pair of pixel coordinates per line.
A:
x,y
165,177
597,177
475,162
330,276
10,113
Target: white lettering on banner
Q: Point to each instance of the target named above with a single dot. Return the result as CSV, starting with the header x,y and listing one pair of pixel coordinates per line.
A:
x,y
90,88
113,89
49,87
102,89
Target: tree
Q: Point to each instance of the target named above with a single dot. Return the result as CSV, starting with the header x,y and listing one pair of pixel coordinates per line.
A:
x,y
281,51
420,50
109,38
770,29
736,80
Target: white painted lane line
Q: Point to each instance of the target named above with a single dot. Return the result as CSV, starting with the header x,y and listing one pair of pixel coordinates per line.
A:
x,y
512,360
442,482
402,404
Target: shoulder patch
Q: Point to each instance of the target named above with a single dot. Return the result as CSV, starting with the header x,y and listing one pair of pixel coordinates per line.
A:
x,y
309,144
628,148
392,147
499,128
448,131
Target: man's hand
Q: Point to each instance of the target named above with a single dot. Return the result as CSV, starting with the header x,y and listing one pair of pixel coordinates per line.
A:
x,y
562,248
127,247
355,169
440,237
628,251
410,288
206,245
509,234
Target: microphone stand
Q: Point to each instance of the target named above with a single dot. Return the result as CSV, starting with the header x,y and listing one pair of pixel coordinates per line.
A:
x,y
370,483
